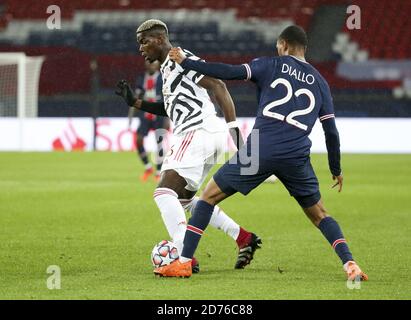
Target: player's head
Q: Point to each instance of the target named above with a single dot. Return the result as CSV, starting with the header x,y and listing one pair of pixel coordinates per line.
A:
x,y
292,41
152,36
152,67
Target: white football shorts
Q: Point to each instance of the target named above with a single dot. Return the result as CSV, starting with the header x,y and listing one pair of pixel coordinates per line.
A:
x,y
194,153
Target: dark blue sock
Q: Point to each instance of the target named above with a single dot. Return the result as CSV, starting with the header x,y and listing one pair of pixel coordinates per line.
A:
x,y
195,227
331,230
142,153
159,167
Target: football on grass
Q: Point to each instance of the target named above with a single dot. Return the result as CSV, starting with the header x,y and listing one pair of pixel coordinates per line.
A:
x,y
163,253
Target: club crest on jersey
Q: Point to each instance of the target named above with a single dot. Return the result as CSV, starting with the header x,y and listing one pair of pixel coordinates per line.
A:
x,y
166,91
298,75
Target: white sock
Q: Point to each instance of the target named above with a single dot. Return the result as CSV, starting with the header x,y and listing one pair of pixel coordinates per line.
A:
x,y
219,219
173,215
184,259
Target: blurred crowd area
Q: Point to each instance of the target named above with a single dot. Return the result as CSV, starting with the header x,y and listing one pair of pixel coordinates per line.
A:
x,y
368,69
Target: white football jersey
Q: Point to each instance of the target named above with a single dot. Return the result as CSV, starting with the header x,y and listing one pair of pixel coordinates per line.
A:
x,y
187,104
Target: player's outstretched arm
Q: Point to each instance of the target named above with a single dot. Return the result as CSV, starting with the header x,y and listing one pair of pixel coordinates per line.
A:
x,y
124,90
332,141
225,102
216,70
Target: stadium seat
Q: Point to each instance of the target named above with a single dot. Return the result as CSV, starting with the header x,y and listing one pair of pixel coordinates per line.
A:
x,y
221,30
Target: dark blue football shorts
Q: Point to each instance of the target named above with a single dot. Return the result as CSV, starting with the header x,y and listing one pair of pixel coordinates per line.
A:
x,y
297,176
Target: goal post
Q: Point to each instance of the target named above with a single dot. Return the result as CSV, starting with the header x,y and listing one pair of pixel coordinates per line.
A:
x,y
19,84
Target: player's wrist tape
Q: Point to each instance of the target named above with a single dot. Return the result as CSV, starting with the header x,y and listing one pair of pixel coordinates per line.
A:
x,y
233,124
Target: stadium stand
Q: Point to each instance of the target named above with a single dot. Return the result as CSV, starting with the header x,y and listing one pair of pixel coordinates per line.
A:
x,y
386,29
217,30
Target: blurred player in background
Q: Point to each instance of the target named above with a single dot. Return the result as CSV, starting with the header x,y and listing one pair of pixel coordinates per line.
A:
x,y
200,138
292,95
149,87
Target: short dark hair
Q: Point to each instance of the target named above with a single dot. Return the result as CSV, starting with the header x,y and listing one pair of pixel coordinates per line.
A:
x,y
157,30
295,36
153,26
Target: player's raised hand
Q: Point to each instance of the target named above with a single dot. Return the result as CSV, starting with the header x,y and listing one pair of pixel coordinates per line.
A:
x,y
339,182
177,55
124,90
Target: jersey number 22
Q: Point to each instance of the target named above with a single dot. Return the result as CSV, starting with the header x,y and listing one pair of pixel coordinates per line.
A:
x,y
290,117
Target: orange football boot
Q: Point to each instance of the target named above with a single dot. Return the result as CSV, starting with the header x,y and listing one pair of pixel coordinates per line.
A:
x,y
354,272
175,269
147,173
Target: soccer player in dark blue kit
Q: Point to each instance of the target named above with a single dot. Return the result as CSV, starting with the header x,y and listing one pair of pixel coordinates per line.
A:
x,y
291,96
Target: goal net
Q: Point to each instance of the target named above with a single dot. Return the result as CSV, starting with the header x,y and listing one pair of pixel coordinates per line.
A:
x,y
19,83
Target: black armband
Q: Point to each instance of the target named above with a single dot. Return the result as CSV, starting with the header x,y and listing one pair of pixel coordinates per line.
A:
x,y
157,108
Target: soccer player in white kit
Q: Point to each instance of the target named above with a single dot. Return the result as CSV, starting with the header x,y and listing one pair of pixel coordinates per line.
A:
x,y
200,138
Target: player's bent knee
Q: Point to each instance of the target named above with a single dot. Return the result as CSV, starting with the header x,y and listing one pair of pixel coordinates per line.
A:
x,y
308,201
212,194
171,179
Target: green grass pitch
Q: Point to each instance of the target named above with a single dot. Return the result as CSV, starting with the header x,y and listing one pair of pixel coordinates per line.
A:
x,y
88,214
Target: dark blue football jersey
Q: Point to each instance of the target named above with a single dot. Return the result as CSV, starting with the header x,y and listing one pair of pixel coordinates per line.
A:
x,y
291,96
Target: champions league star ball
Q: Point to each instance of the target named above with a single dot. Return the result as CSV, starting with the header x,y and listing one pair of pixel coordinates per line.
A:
x,y
163,253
